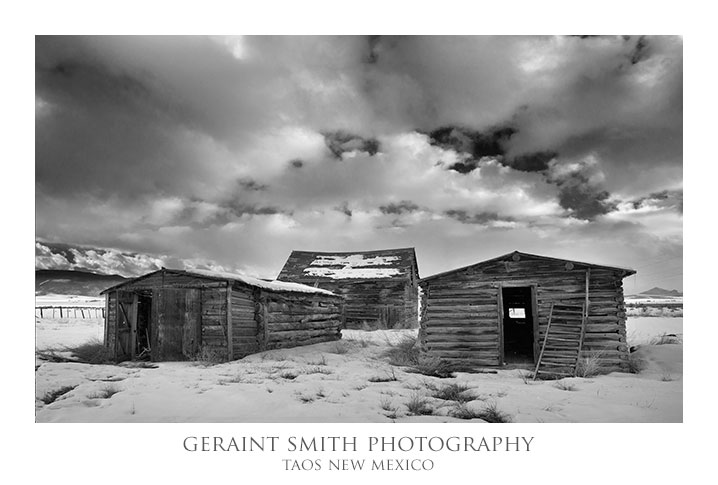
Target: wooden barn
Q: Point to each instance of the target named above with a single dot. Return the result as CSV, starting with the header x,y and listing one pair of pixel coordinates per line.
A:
x,y
171,315
526,309
380,287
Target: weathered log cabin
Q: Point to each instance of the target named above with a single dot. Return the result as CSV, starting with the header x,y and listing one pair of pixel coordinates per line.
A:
x,y
498,312
380,288
171,315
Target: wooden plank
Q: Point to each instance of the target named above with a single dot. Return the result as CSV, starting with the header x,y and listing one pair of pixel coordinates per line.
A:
x,y
230,347
133,326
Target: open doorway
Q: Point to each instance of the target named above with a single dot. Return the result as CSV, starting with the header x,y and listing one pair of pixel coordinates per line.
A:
x,y
144,322
518,325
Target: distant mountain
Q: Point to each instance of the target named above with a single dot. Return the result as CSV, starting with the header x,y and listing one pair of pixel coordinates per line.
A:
x,y
66,282
655,291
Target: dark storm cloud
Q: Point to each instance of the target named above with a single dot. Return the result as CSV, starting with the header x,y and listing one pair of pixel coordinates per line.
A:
x,y
481,218
402,207
671,199
249,184
532,162
341,142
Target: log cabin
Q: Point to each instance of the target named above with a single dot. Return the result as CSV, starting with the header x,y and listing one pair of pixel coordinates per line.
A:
x,y
171,315
380,287
519,308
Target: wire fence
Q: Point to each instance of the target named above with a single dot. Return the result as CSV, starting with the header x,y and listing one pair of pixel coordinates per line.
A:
x,y
69,312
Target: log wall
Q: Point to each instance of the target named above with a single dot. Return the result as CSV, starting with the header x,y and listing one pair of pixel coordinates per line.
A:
x,y
461,318
289,320
387,303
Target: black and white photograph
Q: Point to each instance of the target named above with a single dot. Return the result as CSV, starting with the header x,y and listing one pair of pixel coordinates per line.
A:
x,y
359,229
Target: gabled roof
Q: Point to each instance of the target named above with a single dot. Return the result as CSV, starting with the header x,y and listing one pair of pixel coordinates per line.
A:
x,y
231,277
510,257
353,265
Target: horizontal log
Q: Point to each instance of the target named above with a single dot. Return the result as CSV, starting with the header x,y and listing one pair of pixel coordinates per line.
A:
x,y
473,330
492,345
300,334
303,318
288,344
316,325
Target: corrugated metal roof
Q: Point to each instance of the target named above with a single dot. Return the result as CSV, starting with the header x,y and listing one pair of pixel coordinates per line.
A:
x,y
352,265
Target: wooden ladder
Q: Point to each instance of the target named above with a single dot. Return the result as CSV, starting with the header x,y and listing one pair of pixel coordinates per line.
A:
x,y
563,340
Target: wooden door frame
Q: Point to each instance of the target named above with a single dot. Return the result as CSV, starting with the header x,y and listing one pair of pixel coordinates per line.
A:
x,y
534,316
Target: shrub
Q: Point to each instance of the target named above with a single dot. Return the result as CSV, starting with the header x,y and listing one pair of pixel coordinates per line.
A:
x,y
405,352
589,365
418,405
317,370
52,396
389,377
91,352
322,361
104,393
340,347
386,405
453,392
489,413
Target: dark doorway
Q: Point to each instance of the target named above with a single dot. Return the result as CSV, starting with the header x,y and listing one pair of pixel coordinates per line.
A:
x,y
144,322
518,325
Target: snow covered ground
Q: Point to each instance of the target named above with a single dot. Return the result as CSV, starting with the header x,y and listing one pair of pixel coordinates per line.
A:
x,y
345,381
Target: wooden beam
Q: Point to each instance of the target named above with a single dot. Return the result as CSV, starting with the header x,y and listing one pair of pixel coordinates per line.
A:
x,y
230,346
133,326
106,317
500,300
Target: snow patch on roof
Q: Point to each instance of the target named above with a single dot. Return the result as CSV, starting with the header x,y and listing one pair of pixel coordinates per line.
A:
x,y
352,266
353,261
275,285
348,272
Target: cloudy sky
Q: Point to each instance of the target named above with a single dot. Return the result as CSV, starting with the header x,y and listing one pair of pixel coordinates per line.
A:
x,y
229,152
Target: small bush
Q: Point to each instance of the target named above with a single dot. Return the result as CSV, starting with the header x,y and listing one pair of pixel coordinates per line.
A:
x,y
289,375
418,405
389,377
386,405
589,365
489,413
433,367
317,370
340,347
305,398
322,361
405,352
565,386
91,352
104,393
453,392
52,396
